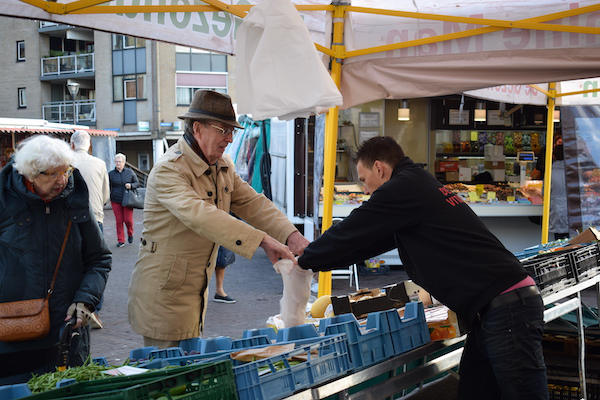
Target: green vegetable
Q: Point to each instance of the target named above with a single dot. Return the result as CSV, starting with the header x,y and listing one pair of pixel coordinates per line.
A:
x,y
87,372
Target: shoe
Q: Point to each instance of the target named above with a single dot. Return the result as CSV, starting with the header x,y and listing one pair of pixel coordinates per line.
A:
x,y
95,321
223,299
120,244
130,239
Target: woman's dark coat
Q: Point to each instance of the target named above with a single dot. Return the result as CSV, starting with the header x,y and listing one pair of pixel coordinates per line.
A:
x,y
31,235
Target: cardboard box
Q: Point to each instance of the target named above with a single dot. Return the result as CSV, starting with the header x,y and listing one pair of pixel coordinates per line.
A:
x,y
366,301
494,165
442,323
445,166
591,234
452,176
464,174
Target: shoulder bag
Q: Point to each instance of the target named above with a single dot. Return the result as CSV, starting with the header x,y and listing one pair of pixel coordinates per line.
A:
x,y
29,319
133,199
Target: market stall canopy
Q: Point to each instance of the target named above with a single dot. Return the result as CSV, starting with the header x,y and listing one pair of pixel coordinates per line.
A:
x,y
527,94
214,31
278,71
423,67
421,48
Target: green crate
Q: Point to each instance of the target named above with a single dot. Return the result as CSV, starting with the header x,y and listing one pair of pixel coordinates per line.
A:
x,y
206,381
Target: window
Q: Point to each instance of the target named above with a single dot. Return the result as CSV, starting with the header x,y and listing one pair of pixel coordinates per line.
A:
x,y
120,42
143,161
129,87
129,90
22,98
188,59
184,94
20,50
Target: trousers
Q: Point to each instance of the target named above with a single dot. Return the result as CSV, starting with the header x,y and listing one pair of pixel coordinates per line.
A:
x,y
123,215
503,358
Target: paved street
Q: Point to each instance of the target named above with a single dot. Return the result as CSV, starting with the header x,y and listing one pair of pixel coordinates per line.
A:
x,y
253,283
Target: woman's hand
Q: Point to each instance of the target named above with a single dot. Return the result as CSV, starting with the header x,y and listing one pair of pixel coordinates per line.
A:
x,y
128,186
81,312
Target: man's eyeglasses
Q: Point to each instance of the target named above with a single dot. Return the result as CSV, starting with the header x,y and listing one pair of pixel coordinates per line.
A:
x,y
66,174
224,131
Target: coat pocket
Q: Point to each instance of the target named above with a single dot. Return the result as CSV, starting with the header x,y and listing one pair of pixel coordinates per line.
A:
x,y
176,271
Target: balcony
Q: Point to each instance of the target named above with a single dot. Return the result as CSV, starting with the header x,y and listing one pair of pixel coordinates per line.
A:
x,y
63,67
62,112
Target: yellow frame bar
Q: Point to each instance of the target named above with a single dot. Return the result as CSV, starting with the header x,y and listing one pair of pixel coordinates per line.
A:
x,y
578,92
548,163
331,133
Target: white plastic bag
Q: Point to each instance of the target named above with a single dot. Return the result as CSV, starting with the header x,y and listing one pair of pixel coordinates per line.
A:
x,y
278,70
296,292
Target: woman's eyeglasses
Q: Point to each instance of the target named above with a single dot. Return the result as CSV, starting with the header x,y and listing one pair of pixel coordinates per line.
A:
x,y
66,174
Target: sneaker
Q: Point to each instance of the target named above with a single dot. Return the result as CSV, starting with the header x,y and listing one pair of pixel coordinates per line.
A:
x,y
223,299
120,244
130,239
95,321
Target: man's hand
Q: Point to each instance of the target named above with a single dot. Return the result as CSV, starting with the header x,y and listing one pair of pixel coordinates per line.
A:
x,y
128,186
275,250
297,243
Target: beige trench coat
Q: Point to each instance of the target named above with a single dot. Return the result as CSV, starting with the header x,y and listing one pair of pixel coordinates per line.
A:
x,y
186,218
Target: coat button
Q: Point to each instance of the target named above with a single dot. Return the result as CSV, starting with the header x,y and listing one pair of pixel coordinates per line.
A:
x,y
208,265
238,242
209,193
143,242
226,189
207,172
27,219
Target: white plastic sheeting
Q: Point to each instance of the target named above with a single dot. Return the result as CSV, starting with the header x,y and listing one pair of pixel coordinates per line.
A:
x,y
278,71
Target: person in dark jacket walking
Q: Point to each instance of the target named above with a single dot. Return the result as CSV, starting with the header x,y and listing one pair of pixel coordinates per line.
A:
x,y
122,178
39,193
446,249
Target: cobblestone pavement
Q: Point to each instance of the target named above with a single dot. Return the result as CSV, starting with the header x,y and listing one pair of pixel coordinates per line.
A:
x,y
253,283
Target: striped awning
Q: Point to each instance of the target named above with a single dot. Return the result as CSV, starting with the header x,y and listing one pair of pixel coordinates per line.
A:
x,y
56,131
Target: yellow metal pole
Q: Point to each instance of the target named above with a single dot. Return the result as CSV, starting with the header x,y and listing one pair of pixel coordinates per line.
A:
x,y
331,132
548,166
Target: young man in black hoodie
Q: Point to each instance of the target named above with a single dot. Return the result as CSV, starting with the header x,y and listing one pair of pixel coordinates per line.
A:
x,y
447,250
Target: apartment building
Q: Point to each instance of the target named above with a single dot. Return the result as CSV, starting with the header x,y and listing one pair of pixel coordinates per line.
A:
x,y
136,87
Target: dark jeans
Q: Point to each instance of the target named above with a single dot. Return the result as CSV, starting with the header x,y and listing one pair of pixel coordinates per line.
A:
x,y
502,357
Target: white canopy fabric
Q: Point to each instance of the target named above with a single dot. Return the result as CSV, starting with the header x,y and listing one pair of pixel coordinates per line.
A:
x,y
510,56
214,31
278,71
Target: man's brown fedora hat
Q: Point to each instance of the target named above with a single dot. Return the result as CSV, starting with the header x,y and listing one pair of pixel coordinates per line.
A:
x,y
208,104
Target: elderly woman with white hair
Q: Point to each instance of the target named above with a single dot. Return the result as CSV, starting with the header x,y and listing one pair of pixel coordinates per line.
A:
x,y
122,178
44,207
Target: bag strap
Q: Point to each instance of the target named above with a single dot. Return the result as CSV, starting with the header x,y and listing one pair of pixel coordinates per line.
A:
x,y
60,256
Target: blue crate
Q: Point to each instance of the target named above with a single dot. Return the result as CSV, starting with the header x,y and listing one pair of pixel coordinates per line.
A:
x,y
331,361
13,392
269,332
208,345
325,322
253,341
411,331
293,333
369,347
101,361
141,353
166,353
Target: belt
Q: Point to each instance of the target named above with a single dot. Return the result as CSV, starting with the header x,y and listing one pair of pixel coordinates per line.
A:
x,y
513,296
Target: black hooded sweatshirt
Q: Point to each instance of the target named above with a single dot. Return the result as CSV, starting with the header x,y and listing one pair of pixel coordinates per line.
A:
x,y
444,246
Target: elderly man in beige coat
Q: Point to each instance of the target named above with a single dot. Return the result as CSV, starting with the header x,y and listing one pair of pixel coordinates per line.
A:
x,y
190,192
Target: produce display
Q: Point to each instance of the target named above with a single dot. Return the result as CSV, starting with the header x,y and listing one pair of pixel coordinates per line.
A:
x,y
501,192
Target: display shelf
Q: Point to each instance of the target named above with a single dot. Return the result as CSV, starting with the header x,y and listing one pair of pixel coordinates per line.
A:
x,y
433,367
499,209
395,383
